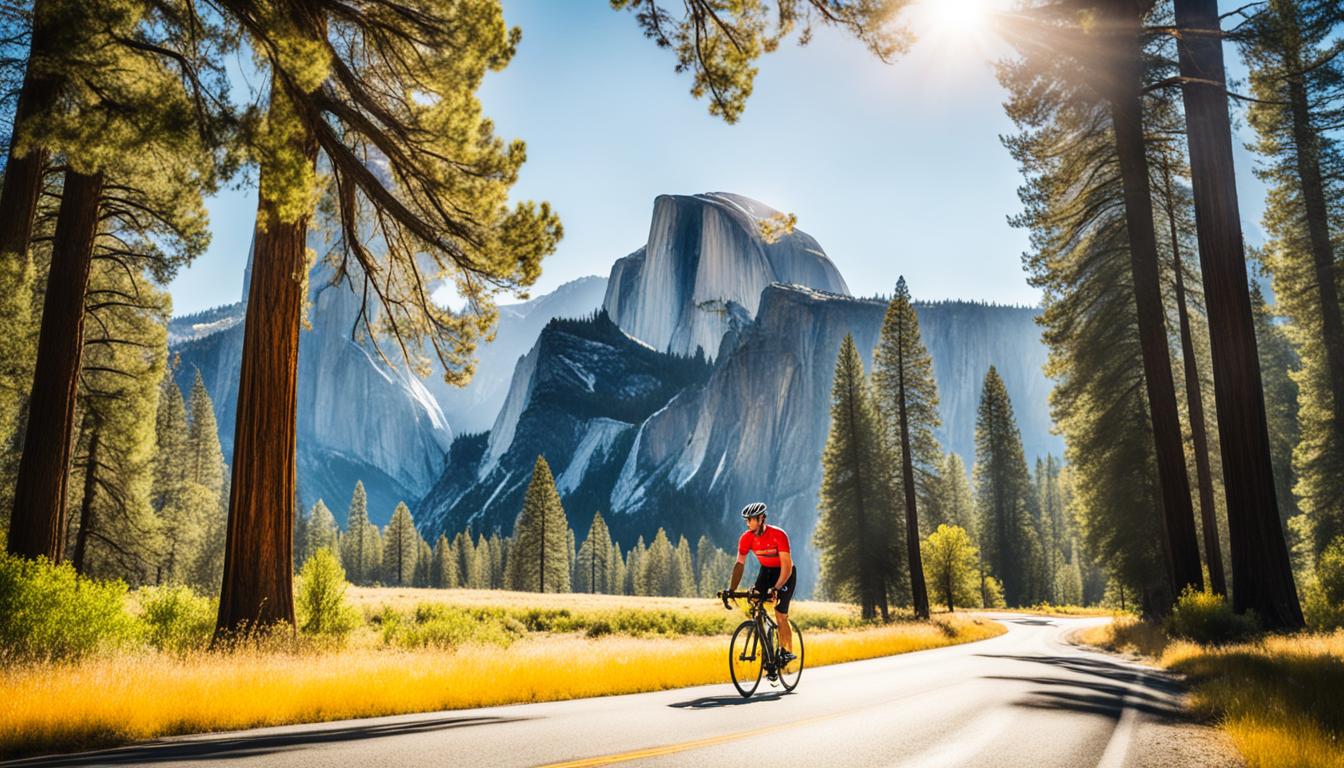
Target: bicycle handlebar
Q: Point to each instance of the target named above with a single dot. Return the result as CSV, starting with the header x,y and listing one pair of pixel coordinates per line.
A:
x,y
751,594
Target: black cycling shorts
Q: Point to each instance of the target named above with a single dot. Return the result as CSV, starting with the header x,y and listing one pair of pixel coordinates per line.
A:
x,y
769,577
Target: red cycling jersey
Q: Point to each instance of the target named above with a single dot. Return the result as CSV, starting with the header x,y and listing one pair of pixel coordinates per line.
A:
x,y
767,546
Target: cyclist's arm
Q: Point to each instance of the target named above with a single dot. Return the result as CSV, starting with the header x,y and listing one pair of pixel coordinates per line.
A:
x,y
737,572
785,569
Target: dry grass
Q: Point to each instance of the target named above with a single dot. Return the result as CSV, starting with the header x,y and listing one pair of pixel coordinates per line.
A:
x,y
1046,609
1278,698
103,702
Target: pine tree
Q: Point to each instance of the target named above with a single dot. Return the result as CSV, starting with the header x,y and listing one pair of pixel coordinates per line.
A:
x,y
1001,487
424,561
720,42
182,526
1279,366
131,110
353,556
907,401
683,570
592,572
1122,73
617,573
443,573
1073,199
860,534
1262,576
955,502
538,559
401,548
634,569
1295,72
439,204
205,459
320,531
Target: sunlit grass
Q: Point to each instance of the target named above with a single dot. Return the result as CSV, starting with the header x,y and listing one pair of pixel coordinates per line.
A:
x,y
115,700
1279,698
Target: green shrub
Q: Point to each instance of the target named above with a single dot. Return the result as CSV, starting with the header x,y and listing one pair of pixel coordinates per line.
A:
x,y
1330,572
1205,617
321,609
176,619
444,626
50,613
1321,614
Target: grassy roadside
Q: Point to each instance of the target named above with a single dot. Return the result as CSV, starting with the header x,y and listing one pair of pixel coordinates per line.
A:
x,y
121,698
1278,698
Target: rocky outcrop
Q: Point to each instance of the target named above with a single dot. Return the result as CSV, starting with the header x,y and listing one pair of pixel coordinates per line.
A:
x,y
705,254
576,398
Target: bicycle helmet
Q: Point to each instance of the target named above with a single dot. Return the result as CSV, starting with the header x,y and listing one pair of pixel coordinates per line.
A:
x,y
753,509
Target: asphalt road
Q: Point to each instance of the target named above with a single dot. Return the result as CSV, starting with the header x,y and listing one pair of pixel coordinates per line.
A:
x,y
1026,698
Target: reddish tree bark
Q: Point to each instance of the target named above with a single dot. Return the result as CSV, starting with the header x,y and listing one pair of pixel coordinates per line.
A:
x,y
23,171
258,559
86,501
37,525
1262,577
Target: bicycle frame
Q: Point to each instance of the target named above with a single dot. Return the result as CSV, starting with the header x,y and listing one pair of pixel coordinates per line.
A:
x,y
761,637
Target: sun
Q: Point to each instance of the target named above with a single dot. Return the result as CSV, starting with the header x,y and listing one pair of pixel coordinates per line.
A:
x,y
954,25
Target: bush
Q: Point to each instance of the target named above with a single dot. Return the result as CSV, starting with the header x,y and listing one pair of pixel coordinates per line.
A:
x,y
176,619
1330,572
443,626
50,613
1206,618
321,609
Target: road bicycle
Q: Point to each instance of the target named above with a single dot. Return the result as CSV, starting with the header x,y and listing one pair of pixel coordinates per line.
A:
x,y
753,650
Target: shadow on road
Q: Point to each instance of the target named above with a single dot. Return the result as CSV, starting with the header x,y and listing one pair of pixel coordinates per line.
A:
x,y
1033,622
710,702
236,747
1149,693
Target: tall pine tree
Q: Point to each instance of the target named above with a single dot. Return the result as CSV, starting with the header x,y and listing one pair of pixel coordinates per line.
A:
x,y
401,548
861,533
1001,489
907,401
539,557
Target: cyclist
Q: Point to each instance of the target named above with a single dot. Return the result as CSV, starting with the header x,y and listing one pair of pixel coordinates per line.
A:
x,y
777,577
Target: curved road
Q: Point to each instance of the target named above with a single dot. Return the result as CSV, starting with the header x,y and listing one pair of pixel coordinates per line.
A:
x,y
1026,698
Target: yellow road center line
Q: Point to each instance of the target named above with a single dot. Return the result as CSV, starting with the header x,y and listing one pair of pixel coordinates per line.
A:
x,y
669,749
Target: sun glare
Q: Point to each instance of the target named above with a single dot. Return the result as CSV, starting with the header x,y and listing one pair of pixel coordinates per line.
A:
x,y
954,25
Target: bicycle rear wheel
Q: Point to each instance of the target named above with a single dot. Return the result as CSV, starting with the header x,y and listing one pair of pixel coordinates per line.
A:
x,y
793,671
744,658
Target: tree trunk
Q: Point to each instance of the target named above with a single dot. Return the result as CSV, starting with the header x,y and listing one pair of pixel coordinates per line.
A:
x,y
918,591
86,503
1262,577
1194,398
258,558
1308,161
1127,115
23,171
37,525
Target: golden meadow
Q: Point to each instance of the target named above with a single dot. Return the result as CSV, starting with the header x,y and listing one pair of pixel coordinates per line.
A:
x,y
417,650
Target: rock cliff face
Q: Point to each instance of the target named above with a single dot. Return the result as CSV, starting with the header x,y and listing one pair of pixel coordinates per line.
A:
x,y
359,418
705,253
473,408
576,398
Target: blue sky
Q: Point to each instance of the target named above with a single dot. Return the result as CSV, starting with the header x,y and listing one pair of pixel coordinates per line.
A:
x,y
895,169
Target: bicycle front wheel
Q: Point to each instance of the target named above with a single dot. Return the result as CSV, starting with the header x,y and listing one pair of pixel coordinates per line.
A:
x,y
744,658
793,671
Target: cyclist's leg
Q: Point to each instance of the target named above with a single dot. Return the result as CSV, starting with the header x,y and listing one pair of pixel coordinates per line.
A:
x,y
782,612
